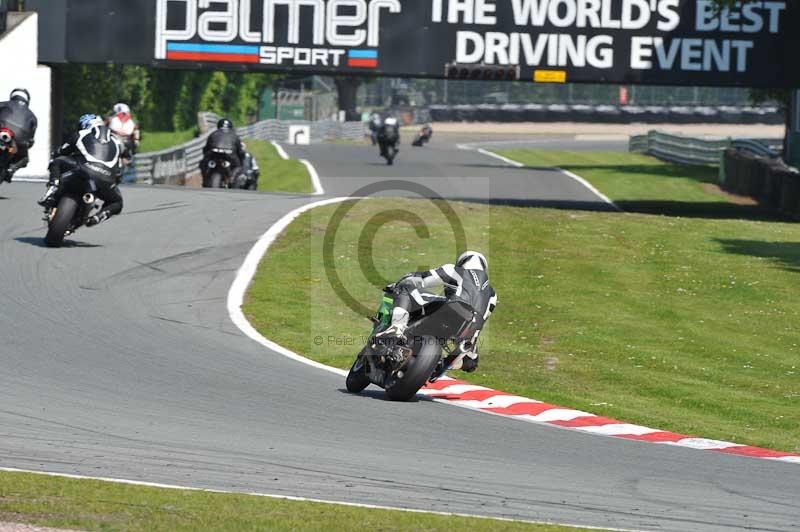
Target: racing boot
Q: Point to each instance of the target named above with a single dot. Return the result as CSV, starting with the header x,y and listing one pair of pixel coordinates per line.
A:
x,y
48,201
100,217
397,328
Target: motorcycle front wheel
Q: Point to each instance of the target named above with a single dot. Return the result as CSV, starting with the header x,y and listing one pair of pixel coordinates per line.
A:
x,y
357,379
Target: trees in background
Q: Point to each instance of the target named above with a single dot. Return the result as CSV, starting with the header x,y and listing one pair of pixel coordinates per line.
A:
x,y
162,100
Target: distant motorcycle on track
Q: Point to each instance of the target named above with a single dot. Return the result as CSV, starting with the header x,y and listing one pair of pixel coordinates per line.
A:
x,y
389,140
217,169
423,136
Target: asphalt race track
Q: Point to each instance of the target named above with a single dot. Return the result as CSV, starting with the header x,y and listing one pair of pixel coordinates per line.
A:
x,y
119,360
452,172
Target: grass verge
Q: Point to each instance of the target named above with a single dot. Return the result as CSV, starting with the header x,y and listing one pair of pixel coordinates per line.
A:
x,y
97,505
277,174
161,140
644,184
684,324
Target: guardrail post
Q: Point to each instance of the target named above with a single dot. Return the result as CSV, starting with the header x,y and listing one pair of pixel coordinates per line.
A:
x,y
728,144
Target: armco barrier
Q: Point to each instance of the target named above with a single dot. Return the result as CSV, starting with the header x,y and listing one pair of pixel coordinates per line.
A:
x,y
680,149
175,166
690,150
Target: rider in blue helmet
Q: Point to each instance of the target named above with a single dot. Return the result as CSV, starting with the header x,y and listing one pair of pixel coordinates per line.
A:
x,y
95,151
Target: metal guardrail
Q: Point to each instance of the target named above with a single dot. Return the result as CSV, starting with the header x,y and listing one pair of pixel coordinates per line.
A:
x,y
174,165
697,151
760,147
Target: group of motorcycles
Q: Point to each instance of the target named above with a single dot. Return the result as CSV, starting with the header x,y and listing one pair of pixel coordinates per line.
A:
x,y
386,134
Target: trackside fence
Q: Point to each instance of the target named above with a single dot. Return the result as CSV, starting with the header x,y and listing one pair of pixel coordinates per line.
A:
x,y
699,151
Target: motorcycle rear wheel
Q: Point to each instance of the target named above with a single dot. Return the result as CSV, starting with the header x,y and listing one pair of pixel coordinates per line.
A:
x,y
57,228
215,180
427,353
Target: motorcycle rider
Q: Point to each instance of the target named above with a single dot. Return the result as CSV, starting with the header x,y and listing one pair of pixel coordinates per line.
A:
x,y
467,280
16,116
424,135
125,128
250,168
388,135
94,148
224,141
374,125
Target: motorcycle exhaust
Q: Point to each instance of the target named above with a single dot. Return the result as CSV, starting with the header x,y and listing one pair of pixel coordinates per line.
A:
x,y
88,198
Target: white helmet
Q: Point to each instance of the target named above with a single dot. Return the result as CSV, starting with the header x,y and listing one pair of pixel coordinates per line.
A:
x,y
473,260
121,108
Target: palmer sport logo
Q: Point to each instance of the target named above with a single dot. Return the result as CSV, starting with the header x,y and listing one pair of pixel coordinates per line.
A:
x,y
314,33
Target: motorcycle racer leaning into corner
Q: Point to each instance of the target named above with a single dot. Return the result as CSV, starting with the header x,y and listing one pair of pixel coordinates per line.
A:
x,y
99,155
16,116
467,280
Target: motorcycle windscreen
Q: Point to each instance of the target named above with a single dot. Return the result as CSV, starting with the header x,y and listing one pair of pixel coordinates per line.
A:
x,y
443,320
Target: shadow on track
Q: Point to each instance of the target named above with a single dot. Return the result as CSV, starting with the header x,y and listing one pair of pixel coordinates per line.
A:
x,y
380,395
39,242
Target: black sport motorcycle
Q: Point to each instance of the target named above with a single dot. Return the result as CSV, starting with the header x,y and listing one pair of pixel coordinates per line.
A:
x,y
217,170
77,202
389,141
403,367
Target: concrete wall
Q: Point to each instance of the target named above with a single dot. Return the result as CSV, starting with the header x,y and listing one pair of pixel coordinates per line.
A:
x,y
20,68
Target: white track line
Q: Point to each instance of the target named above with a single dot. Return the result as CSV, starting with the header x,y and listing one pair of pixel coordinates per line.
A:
x,y
312,172
245,276
567,173
300,499
318,190
588,185
280,150
500,157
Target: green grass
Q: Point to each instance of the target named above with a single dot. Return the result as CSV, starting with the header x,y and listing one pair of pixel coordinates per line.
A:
x,y
684,324
96,505
161,140
643,184
278,175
